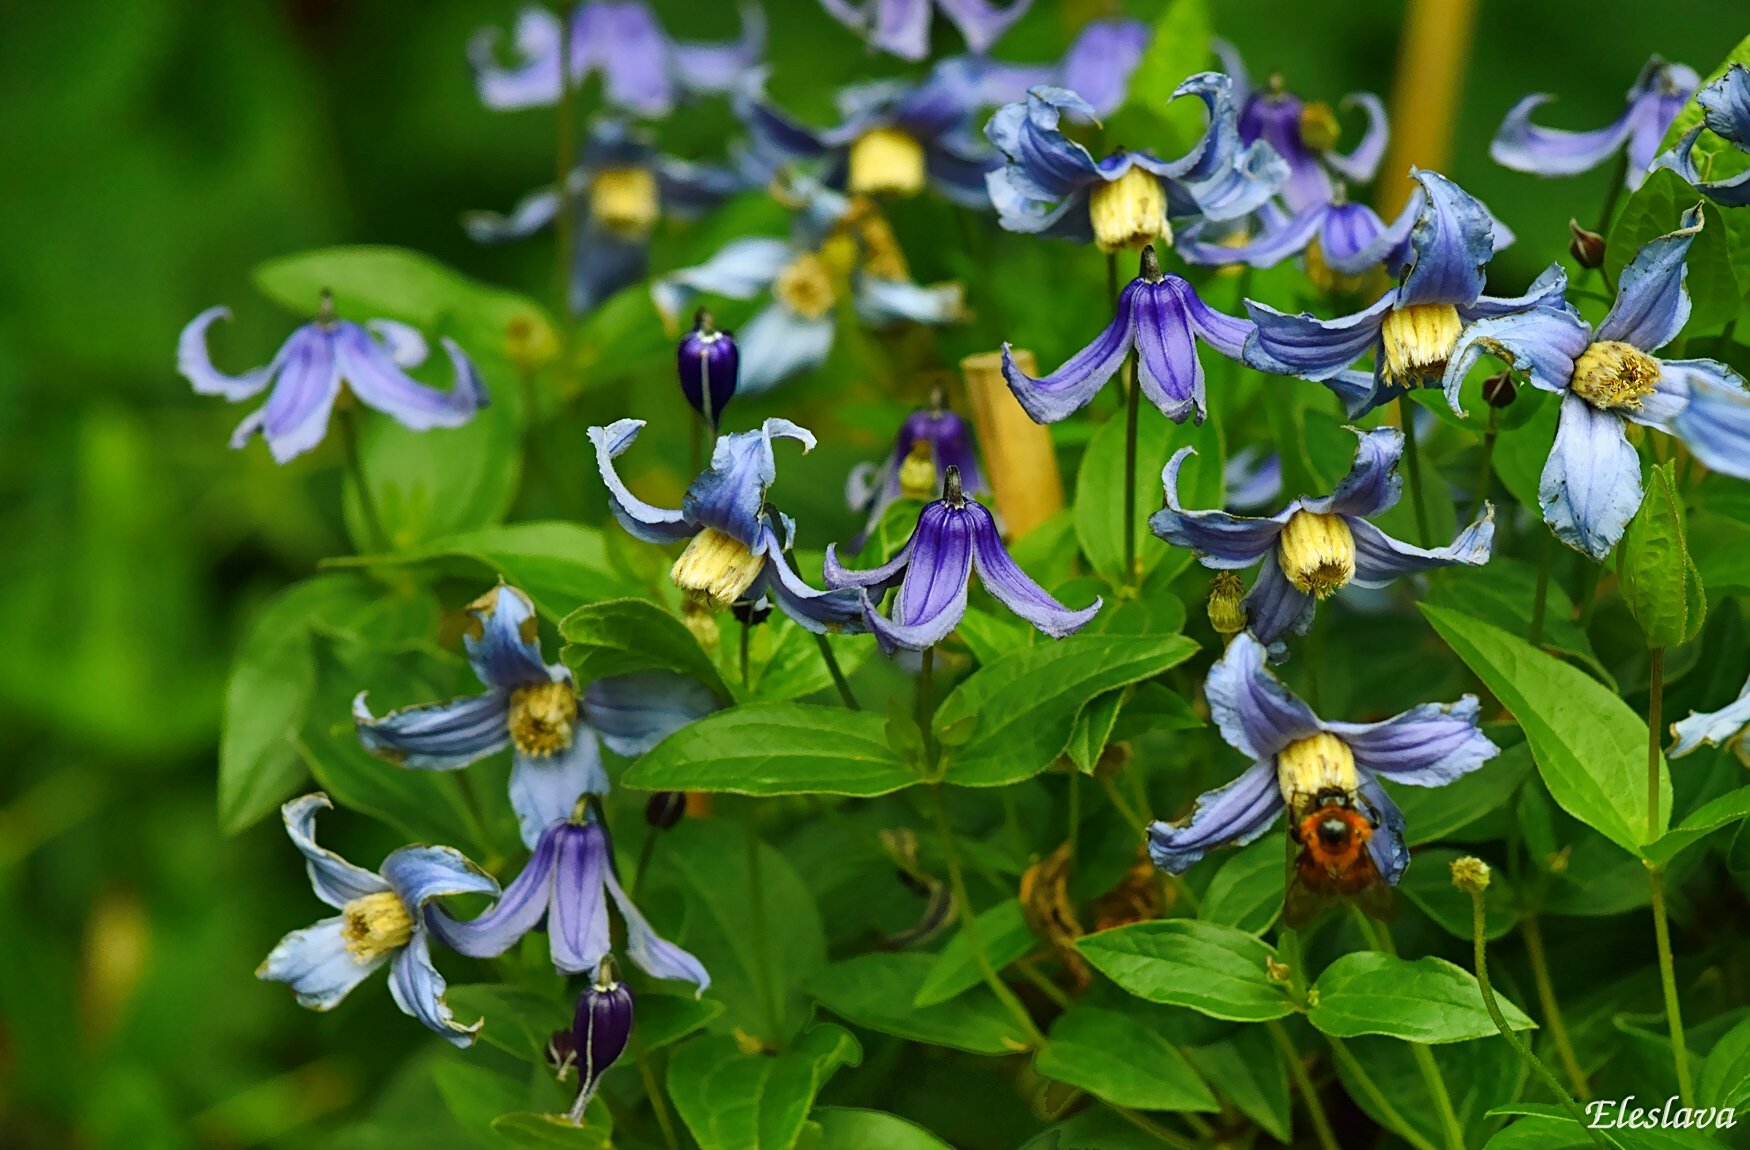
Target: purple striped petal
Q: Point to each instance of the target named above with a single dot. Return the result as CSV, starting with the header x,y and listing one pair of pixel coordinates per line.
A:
x,y
1523,146
1372,484
730,495
655,955
1257,715
879,579
981,22
1227,816
1100,61
436,736
1276,608
196,366
1379,558
1426,746
1012,587
1167,365
1310,347
837,610
1449,247
1073,386
577,923
518,910
1652,304
296,415
932,595
368,368
622,40
1221,540
545,788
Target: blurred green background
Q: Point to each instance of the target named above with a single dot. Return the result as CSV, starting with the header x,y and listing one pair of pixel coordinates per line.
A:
x,y
151,154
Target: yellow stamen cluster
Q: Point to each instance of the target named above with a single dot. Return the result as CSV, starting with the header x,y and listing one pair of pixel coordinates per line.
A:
x,y
1226,614
1129,212
886,161
805,287
1418,340
917,472
716,569
375,925
1317,553
541,717
1615,375
1318,126
1307,767
625,201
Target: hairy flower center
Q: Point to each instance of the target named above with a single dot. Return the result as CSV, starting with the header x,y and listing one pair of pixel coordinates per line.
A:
x,y
1308,767
917,472
1129,212
541,716
1317,552
624,200
1419,340
1226,613
375,925
1610,375
716,569
1318,126
886,161
805,286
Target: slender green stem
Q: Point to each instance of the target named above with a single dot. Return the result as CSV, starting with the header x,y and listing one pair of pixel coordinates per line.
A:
x,y
1046,987
653,1091
375,537
1132,410
1375,1095
1479,935
644,854
927,706
1423,1057
762,965
838,675
1303,1082
746,633
1413,462
1486,478
1152,1128
1532,932
1656,876
1540,598
1655,705
564,153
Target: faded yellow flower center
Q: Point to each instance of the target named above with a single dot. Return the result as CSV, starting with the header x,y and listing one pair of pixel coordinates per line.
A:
x,y
1318,126
1307,767
805,286
541,716
1317,553
716,569
375,925
701,622
1615,375
1129,212
917,472
1418,341
1226,614
882,256
625,201
886,161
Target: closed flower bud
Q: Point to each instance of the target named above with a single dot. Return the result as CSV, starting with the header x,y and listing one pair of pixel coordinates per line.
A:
x,y
530,343
1129,212
1500,390
599,1033
665,809
708,362
1226,614
1586,247
1470,875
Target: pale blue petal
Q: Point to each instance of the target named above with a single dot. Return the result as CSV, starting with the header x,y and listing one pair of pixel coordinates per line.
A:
x,y
418,874
1386,846
882,301
1542,342
316,964
526,217
545,788
1228,816
1379,558
1715,421
642,520
726,66
1426,746
1362,164
193,362
534,82
1256,714
418,989
740,270
503,641
779,343
1523,146
1591,485
730,496
1652,304
335,881
633,713
1310,347
436,736
1711,728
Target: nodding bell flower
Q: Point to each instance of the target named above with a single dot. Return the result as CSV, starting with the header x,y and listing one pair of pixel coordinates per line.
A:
x,y
931,440
598,1036
1303,763
1609,378
534,708
708,362
618,191
1158,314
1725,111
735,553
1725,727
1313,547
1054,186
1411,330
1659,93
567,883
317,362
955,537
643,71
382,920
902,27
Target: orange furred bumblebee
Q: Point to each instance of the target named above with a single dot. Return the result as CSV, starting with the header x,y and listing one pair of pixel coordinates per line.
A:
x,y
1333,829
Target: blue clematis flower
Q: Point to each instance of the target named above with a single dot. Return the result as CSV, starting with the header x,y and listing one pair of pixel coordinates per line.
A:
x,y
643,71
382,920
1313,547
1053,186
1591,485
955,537
839,248
902,27
1412,329
736,549
931,440
619,190
1251,478
1344,244
1725,110
1722,728
1659,92
320,360
1306,765
1161,316
534,708
568,882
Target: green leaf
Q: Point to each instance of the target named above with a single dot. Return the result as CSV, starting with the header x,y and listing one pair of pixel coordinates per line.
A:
x,y
794,667
1246,893
1093,730
1521,455
1657,578
1024,705
1178,47
1590,747
1476,1076
735,1101
1215,970
1120,1058
1099,498
1435,813
1654,210
625,635
1249,1072
1716,290
878,991
1701,822
1725,1077
842,1128
1504,592
519,1020
1428,1000
1003,936
526,1128
776,749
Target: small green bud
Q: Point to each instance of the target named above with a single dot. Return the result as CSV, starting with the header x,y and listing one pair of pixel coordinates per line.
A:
x,y
1470,874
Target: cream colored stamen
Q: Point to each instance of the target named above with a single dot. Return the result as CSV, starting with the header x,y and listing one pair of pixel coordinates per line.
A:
x,y
886,161
917,472
1317,553
375,925
1308,767
541,717
1615,375
625,201
1129,212
805,287
716,568
1418,341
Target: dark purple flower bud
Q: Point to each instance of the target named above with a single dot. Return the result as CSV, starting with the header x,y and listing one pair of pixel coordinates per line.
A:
x,y
751,614
1499,390
665,809
1586,247
708,362
599,1033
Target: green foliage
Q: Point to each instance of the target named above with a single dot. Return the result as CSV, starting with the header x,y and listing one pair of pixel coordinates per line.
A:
x,y
731,1100
1427,1000
1660,585
1215,970
778,749
1117,1056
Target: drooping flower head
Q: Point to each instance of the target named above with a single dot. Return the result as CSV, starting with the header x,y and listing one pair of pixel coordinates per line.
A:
x,y
618,191
534,708
955,537
1160,315
318,361
1412,329
708,362
1608,378
567,882
1725,727
1313,547
643,70
1659,93
1725,109
382,920
599,1032
737,544
902,27
1053,186
931,440
1326,775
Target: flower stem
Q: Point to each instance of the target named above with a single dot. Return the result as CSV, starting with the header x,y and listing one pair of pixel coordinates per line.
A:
x,y
1424,1057
375,537
1532,932
1413,462
1375,1095
1152,1128
762,966
1132,408
1484,480
838,675
1541,597
1308,1092
1656,876
927,706
564,157
746,632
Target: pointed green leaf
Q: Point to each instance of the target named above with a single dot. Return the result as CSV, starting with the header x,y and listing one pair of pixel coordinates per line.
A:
x,y
1120,1058
1215,970
776,749
1428,1000
736,1101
